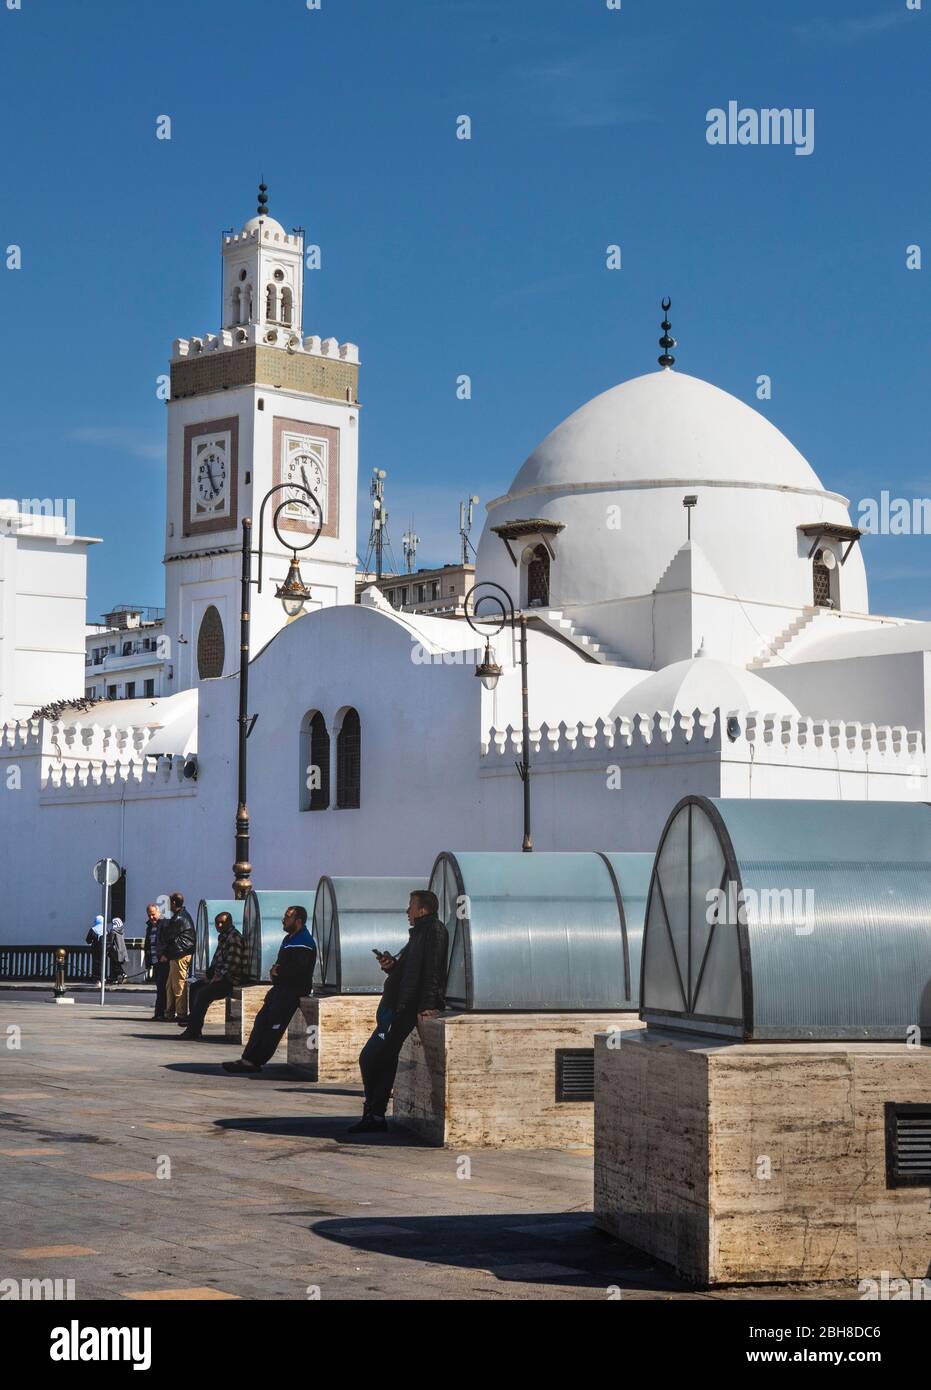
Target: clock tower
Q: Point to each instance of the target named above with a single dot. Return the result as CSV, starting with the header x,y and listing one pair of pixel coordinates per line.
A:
x,y
253,406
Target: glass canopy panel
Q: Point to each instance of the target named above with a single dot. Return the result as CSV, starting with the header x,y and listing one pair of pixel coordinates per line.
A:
x,y
263,914
543,931
673,873
660,982
368,914
632,872
707,871
206,932
328,969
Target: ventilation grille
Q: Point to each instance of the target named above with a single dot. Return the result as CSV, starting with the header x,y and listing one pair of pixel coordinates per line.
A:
x,y
908,1145
575,1073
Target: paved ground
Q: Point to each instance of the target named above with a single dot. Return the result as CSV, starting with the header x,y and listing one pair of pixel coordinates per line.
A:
x,y
263,1194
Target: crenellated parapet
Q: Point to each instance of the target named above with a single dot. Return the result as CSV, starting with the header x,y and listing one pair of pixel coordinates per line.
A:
x,y
733,735
106,743
261,335
149,775
20,736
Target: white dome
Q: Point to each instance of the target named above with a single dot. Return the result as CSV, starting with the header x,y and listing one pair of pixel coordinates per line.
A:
x,y
610,482
663,427
267,222
703,683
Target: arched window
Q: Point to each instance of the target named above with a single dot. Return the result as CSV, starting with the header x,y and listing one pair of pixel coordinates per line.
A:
x,y
349,761
538,578
271,304
247,304
286,306
211,646
315,763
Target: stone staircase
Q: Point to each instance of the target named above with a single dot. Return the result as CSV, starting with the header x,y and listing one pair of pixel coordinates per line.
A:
x,y
788,634
583,641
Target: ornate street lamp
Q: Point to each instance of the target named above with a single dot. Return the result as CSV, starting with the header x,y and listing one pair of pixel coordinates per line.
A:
x,y
489,672
293,594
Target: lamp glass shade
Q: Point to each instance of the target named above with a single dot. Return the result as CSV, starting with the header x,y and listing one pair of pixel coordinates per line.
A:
x,y
488,671
293,593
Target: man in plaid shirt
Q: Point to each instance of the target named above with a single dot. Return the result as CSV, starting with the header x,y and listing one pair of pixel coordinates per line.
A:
x,y
226,972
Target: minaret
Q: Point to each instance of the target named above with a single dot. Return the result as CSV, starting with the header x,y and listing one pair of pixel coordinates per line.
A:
x,y
254,406
263,275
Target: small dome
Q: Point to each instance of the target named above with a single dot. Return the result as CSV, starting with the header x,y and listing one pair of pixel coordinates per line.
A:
x,y
268,223
701,682
664,426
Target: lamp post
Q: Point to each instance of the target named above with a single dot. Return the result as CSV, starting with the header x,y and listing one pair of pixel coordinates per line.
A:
x,y
489,672
293,594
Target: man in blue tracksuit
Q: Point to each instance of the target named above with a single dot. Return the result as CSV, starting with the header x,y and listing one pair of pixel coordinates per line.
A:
x,y
292,977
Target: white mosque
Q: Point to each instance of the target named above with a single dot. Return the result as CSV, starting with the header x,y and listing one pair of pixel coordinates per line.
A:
x,y
697,621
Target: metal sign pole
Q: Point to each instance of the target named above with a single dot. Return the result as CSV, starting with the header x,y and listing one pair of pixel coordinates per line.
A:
x,y
103,934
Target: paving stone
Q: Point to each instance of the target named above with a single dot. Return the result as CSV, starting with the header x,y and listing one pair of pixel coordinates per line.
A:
x,y
268,1196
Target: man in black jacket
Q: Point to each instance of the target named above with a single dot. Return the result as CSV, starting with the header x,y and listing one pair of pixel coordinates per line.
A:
x,y
156,935
292,977
415,989
179,938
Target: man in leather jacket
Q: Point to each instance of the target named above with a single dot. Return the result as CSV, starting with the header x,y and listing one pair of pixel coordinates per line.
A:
x,y
415,989
179,943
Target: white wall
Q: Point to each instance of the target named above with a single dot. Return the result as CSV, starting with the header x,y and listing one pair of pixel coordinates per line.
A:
x,y
43,598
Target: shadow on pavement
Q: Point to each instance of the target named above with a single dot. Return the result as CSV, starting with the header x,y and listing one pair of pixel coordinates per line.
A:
x,y
543,1248
332,1127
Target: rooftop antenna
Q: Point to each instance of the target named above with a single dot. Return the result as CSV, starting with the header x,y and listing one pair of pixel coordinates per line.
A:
x,y
409,543
666,342
688,503
465,526
379,543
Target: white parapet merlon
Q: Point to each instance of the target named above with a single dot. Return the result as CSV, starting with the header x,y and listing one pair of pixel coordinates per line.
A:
x,y
748,747
261,335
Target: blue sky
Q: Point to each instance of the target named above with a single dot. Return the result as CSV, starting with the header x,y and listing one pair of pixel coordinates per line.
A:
x,y
484,257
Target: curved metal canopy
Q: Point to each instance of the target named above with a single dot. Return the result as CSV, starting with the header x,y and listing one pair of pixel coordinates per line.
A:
x,y
206,938
540,932
791,920
261,926
354,917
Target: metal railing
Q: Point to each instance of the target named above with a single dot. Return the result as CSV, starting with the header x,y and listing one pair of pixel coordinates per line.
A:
x,y
28,963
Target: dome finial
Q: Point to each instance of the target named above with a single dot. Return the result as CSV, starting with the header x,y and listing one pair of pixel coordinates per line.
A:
x,y
666,342
263,200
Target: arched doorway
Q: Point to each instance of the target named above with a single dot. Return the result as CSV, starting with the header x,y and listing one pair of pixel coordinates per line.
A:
x,y
538,578
822,576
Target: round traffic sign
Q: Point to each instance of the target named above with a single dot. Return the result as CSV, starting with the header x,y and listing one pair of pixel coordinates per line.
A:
x,y
106,871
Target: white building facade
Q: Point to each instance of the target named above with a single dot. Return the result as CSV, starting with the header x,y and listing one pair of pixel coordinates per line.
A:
x,y
43,601
127,655
738,660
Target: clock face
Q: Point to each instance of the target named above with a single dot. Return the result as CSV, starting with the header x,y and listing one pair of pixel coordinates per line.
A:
x,y
210,474
210,482
306,468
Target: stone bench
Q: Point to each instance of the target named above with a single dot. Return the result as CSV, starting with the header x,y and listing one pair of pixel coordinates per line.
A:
x,y
240,1009
328,1032
492,1079
758,1162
